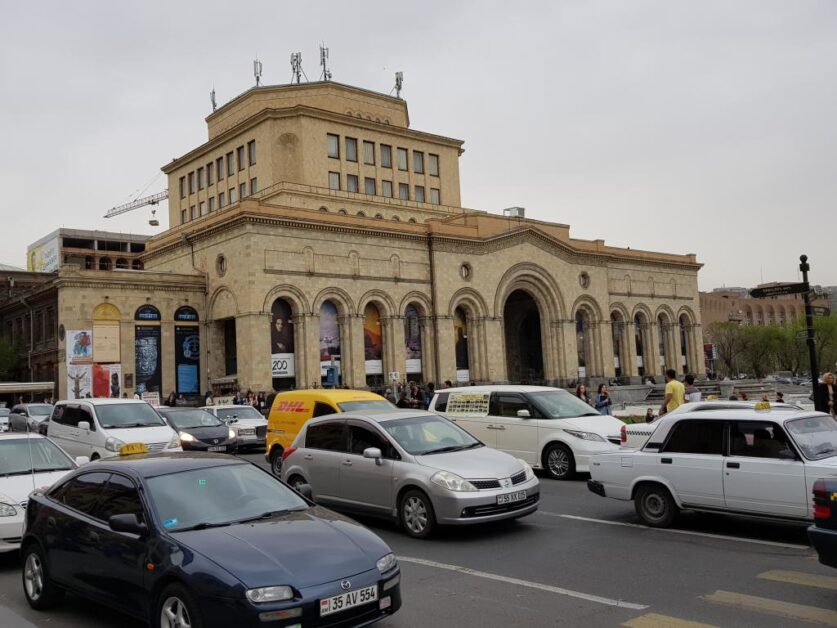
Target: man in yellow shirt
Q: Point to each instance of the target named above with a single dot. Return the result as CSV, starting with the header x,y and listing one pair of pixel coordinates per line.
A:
x,y
675,393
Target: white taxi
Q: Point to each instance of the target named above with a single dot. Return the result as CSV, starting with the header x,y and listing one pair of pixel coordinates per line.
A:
x,y
756,462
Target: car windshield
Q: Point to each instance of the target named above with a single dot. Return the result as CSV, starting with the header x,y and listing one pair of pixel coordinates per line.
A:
x,y
39,409
217,496
4,412
370,404
18,458
242,412
559,404
423,435
816,436
123,415
187,419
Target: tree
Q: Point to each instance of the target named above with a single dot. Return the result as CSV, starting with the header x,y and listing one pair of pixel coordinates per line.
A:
x,y
9,358
730,345
761,348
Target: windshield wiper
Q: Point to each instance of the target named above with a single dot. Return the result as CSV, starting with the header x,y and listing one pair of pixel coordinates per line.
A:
x,y
204,525
269,514
48,469
11,473
443,450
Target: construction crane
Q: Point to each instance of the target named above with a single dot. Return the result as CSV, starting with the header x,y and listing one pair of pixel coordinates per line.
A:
x,y
154,199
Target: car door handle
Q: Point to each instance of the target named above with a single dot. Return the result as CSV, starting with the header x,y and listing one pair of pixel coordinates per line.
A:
x,y
50,522
665,460
496,427
733,465
347,463
308,457
91,537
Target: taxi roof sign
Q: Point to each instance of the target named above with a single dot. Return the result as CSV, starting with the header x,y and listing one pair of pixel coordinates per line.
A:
x,y
762,405
133,448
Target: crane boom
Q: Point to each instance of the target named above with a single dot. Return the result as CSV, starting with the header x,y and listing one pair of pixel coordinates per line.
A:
x,y
154,199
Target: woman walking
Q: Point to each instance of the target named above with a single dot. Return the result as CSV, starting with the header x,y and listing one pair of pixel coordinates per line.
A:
x,y
581,393
826,399
603,400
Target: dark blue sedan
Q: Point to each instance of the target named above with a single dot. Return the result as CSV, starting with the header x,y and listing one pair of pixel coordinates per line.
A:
x,y
191,540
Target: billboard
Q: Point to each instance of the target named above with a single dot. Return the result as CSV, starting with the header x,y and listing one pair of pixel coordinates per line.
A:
x,y
281,339
412,338
43,257
147,358
187,359
329,336
107,381
373,343
79,347
79,381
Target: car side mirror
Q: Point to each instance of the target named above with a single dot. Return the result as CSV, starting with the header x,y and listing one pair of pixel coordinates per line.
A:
x,y
524,414
129,523
375,453
305,490
84,425
80,460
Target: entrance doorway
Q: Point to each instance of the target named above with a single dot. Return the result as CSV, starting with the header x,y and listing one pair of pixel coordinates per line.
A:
x,y
524,348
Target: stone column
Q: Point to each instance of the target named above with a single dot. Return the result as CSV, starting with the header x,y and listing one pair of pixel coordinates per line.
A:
x,y
652,366
395,348
253,331
556,341
428,345
495,358
311,348
446,347
628,357
352,354
570,349
302,378
604,335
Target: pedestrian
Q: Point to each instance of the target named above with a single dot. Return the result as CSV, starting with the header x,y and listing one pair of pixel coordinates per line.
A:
x,y
603,400
171,400
137,395
581,393
744,396
389,396
448,384
208,398
675,393
692,392
649,415
431,391
403,401
780,396
826,398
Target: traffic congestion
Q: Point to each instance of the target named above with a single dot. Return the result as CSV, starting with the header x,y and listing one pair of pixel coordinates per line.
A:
x,y
339,509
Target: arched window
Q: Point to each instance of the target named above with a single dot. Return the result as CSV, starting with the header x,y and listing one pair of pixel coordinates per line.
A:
x,y
137,264
361,214
413,220
329,344
105,263
379,216
640,326
324,209
121,263
396,218
460,328
342,212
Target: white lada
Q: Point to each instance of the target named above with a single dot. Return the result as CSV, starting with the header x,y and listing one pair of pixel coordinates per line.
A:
x,y
755,462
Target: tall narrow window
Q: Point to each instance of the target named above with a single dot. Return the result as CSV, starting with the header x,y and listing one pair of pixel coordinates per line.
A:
x,y
386,188
402,158
420,193
351,183
240,155
369,184
211,204
192,212
369,153
404,191
230,165
183,217
202,208
251,152
191,183
254,185
333,146
219,168
209,172
182,187
418,162
333,180
232,195
386,156
222,201
435,198
242,190
201,179
433,165
351,149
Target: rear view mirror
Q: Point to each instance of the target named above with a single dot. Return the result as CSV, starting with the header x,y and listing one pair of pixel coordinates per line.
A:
x,y
373,452
80,460
84,425
524,414
129,523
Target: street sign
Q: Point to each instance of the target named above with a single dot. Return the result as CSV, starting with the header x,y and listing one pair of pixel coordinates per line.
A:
x,y
802,335
821,311
780,290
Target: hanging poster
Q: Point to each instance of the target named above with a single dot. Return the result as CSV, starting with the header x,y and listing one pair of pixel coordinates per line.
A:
x,y
281,339
460,328
329,337
147,358
79,381
187,359
373,344
107,381
79,347
107,343
412,338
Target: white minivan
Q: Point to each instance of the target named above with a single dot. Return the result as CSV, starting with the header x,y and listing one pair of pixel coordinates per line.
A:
x,y
97,428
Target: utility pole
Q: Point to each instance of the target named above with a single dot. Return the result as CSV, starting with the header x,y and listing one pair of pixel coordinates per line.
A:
x,y
809,323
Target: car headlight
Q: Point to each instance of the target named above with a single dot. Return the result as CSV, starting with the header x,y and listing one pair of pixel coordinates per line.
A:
x,y
269,594
185,437
231,434
8,509
387,562
527,468
113,444
586,436
451,481
174,443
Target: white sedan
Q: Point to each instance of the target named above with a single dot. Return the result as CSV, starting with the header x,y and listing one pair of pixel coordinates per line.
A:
x,y
27,462
759,462
247,422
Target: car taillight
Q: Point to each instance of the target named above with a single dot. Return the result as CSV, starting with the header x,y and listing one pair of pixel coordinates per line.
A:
x,y
822,501
288,452
623,435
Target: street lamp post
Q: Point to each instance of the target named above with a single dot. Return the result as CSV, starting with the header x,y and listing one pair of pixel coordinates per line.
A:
x,y
809,323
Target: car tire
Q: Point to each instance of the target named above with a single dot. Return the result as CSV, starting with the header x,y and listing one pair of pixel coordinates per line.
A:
x,y
559,462
655,505
174,605
39,590
276,461
295,480
415,512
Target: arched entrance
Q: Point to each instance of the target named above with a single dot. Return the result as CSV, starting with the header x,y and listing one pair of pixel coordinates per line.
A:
x,y
524,349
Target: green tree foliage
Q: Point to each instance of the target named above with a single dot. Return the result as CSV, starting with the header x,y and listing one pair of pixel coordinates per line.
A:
x,y
9,359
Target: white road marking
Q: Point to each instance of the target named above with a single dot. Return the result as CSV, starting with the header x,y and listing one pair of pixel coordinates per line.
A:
x,y
707,535
524,583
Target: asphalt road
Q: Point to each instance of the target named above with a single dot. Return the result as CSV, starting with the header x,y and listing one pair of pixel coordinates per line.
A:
x,y
582,561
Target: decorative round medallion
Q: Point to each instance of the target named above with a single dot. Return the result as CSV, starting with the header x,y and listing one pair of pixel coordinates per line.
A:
x,y
221,265
465,271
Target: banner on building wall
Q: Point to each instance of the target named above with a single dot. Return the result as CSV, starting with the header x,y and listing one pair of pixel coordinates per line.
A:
x,y
460,328
639,361
463,375
329,337
281,339
187,359
43,257
79,381
582,372
412,338
107,380
147,360
373,343
107,347
79,347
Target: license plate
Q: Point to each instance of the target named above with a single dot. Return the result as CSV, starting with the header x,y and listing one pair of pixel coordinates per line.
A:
x,y
510,498
348,600
246,432
219,448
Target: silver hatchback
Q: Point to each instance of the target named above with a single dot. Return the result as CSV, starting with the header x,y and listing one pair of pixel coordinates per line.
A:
x,y
411,466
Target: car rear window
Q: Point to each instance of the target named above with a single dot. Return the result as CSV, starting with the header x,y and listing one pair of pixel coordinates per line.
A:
x,y
329,436
441,402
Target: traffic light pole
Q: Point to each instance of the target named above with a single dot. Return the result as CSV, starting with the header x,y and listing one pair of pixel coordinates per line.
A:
x,y
809,323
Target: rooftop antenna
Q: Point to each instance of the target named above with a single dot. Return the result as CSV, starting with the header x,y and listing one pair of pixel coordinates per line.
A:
x,y
399,82
212,99
257,71
296,68
326,75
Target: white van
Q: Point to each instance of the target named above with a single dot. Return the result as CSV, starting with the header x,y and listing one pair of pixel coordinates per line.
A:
x,y
97,428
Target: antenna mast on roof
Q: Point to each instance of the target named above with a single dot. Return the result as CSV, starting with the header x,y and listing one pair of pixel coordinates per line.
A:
x,y
257,71
296,68
212,99
326,75
399,82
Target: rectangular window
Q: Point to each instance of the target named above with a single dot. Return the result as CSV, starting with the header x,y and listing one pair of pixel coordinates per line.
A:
x,y
209,173
333,180
182,187
183,217
251,152
192,212
435,198
759,440
386,188
201,179
211,204
191,183
242,190
333,146
418,162
351,183
404,191
433,165
240,155
369,184
230,165
222,200
219,167
369,153
351,149
697,437
254,185
402,158
420,193
328,436
202,208
386,156
231,195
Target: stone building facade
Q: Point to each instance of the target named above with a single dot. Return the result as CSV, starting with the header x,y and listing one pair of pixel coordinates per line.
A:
x,y
737,306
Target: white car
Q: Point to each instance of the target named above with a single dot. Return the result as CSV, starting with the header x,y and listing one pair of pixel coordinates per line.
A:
x,y
757,462
249,424
635,435
26,463
549,428
97,428
4,420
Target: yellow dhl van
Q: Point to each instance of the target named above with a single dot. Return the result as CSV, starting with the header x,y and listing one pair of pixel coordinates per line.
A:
x,y
290,411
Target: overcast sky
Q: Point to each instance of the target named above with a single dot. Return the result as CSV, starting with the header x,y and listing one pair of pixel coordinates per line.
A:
x,y
685,127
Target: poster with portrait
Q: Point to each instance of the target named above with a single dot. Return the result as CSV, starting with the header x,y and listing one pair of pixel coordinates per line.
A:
x,y
147,361
412,338
79,348
79,381
187,359
107,381
329,336
373,343
281,339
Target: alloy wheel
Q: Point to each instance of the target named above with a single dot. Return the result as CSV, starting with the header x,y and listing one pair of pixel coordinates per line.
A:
x,y
174,614
559,462
33,574
415,515
654,505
